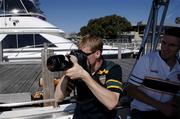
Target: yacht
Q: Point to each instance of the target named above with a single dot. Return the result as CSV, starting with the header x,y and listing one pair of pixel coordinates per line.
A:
x,y
24,30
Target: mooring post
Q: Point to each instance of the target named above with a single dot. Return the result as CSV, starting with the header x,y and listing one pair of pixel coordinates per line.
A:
x,y
119,51
47,76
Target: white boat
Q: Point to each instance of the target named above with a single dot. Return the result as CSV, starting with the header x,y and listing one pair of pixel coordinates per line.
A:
x,y
24,30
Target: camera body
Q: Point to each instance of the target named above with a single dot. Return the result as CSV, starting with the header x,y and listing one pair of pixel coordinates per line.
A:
x,y
60,62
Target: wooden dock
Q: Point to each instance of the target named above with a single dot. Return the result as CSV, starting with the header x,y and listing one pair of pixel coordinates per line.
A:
x,y
19,77
24,77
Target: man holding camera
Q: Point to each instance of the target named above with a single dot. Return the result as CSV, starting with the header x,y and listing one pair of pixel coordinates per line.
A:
x,y
98,88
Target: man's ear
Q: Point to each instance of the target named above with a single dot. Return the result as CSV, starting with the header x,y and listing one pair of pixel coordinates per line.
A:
x,y
98,54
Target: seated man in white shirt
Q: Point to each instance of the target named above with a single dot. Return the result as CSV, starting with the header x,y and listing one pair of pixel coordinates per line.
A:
x,y
155,80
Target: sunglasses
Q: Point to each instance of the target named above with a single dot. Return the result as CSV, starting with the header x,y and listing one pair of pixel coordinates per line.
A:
x,y
87,54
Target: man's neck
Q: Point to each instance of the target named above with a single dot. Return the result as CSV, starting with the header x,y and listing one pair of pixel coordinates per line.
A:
x,y
171,63
97,65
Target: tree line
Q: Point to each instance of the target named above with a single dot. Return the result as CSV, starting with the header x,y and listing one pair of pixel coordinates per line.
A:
x,y
109,27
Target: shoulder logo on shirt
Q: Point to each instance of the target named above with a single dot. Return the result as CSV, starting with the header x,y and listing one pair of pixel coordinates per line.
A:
x,y
102,77
103,72
154,71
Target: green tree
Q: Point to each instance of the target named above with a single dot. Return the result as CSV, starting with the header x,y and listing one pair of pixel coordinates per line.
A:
x,y
109,27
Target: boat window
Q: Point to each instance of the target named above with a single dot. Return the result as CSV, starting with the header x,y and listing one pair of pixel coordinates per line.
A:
x,y
41,40
18,41
19,6
25,40
1,7
13,6
9,41
30,6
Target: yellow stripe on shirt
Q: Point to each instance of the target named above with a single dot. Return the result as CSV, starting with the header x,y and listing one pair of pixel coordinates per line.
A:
x,y
115,87
112,80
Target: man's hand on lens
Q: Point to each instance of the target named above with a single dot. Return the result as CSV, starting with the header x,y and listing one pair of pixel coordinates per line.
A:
x,y
76,72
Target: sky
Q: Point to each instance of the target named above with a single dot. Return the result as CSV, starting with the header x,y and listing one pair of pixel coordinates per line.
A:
x,y
71,15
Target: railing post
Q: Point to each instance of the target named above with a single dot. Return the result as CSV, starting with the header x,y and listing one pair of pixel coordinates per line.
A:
x,y
119,50
47,76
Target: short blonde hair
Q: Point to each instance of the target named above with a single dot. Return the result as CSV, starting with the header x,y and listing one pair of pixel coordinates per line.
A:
x,y
93,41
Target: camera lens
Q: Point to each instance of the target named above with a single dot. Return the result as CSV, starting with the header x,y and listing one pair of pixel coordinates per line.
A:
x,y
61,62
58,63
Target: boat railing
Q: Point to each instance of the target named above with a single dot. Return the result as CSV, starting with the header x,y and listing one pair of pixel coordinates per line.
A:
x,y
23,14
19,104
34,51
39,47
133,45
31,52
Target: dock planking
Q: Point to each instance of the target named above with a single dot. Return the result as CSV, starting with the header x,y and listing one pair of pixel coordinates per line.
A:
x,y
126,66
19,77
24,77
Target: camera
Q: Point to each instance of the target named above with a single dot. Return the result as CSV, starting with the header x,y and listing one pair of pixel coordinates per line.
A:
x,y
61,62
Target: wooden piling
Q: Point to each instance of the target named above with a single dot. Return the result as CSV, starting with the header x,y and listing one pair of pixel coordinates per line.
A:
x,y
47,76
119,50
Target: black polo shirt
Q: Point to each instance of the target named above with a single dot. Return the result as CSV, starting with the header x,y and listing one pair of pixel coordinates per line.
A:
x,y
88,106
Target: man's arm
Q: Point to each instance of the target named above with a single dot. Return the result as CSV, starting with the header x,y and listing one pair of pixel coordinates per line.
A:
x,y
165,108
108,98
139,95
61,89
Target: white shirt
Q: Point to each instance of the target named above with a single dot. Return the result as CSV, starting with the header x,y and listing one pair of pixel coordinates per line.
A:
x,y
154,69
